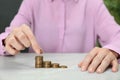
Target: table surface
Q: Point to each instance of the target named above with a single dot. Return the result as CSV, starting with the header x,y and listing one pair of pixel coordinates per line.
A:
x,y
21,67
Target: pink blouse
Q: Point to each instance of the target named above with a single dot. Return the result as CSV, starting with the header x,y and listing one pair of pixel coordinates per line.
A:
x,y
67,26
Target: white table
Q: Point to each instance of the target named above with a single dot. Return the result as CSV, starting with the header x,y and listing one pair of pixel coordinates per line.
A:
x,y
21,67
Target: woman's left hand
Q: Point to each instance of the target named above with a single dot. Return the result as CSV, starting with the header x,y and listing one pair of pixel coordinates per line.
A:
x,y
99,59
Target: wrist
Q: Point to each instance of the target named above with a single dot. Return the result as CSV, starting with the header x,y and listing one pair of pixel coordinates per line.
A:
x,y
115,54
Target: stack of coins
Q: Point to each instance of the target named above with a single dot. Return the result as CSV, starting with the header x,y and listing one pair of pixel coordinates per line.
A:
x,y
55,65
38,61
47,64
63,66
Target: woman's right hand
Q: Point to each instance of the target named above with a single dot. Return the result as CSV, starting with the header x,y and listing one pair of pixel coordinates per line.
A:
x,y
19,39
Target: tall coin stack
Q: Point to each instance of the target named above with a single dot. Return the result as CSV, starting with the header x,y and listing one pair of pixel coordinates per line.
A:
x,y
38,61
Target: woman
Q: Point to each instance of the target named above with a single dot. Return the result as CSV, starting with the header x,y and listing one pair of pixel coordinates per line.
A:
x,y
66,26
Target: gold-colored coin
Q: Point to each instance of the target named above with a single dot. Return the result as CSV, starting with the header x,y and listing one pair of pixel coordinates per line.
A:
x,y
38,66
47,64
38,57
63,66
55,65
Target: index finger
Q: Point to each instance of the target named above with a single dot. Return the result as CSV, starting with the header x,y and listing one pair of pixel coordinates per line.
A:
x,y
32,39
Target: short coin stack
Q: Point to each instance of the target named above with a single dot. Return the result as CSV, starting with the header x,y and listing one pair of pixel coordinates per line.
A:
x,y
39,63
55,65
47,64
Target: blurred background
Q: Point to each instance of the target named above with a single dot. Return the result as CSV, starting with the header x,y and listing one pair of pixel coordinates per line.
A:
x,y
8,9
114,8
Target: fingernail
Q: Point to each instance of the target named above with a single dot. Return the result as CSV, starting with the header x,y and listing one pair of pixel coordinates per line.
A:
x,y
114,70
41,51
83,68
91,70
99,70
37,51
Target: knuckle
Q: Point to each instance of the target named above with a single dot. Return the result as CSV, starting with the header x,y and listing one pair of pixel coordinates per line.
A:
x,y
94,50
87,60
111,54
11,40
31,36
15,30
96,60
107,60
98,56
106,50
19,47
22,36
89,56
8,38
